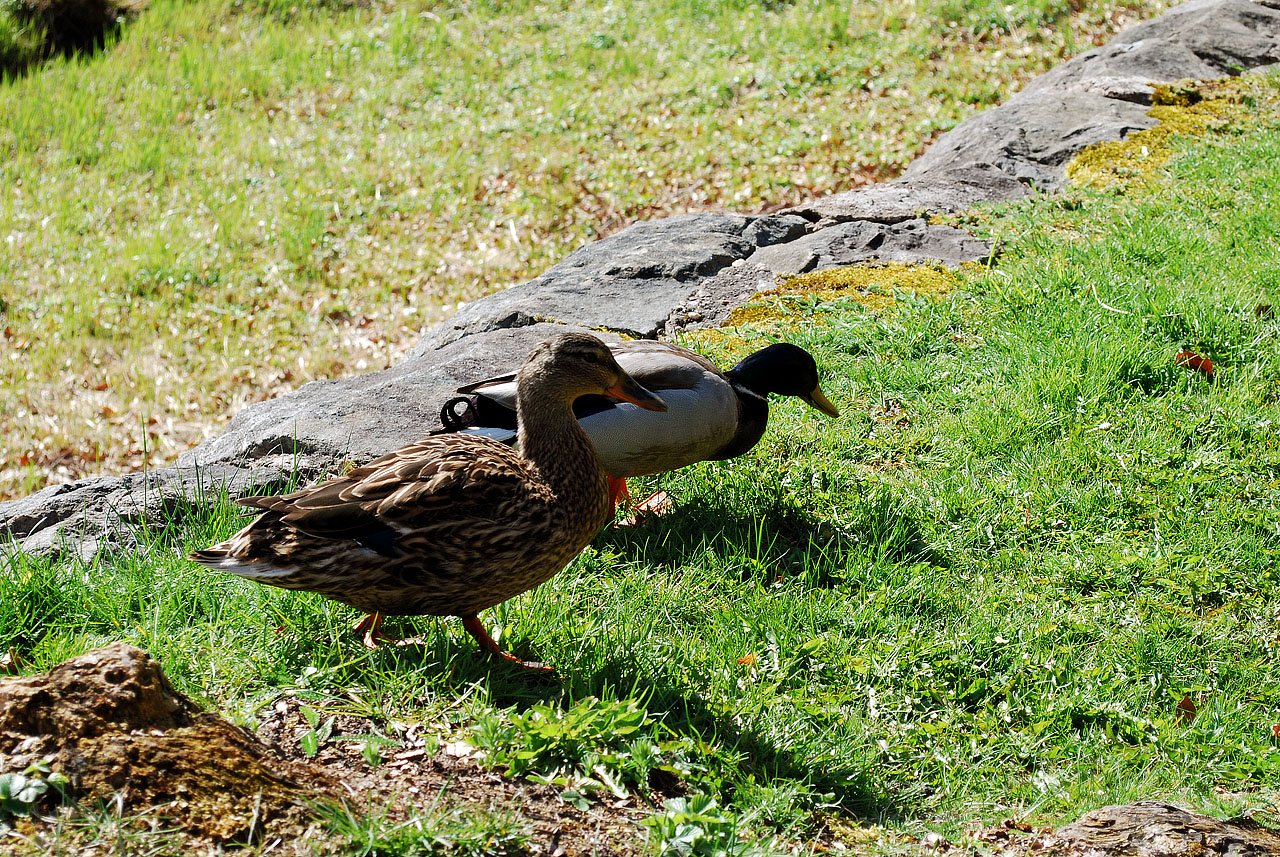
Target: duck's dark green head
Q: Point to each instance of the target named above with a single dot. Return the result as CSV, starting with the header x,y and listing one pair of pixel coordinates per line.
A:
x,y
787,370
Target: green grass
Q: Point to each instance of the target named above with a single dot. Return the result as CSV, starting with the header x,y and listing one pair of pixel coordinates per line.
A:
x,y
239,197
21,45
984,600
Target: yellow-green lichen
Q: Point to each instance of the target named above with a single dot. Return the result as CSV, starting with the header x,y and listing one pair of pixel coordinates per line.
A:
x,y
1184,109
870,285
725,345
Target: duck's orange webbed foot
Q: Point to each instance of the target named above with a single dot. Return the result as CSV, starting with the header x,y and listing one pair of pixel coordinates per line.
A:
x,y
476,629
657,503
371,627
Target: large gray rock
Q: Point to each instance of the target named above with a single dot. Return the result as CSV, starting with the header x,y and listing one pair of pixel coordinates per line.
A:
x,y
1100,96
1031,139
80,517
911,241
896,201
628,282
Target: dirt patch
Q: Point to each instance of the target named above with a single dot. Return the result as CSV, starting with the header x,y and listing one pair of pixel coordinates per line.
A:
x,y
110,729
421,773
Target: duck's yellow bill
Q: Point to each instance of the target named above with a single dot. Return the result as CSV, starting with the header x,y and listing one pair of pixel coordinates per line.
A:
x,y
629,391
817,399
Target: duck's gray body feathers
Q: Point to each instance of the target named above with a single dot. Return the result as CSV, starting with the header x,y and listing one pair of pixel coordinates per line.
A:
x,y
703,420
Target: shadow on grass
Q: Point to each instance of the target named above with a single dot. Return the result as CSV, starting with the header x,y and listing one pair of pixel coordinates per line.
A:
x,y
883,531
763,761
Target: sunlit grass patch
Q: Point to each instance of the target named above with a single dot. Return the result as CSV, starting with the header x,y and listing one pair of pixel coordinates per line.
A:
x,y
241,197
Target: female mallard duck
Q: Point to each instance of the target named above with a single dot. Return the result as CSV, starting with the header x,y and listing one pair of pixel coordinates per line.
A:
x,y
452,524
711,414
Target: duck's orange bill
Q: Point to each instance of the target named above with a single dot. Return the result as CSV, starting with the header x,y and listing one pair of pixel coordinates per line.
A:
x,y
629,391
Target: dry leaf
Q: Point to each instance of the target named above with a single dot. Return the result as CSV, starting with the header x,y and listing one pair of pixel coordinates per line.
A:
x,y
748,660
1194,361
1187,709
413,754
10,663
1275,730
458,749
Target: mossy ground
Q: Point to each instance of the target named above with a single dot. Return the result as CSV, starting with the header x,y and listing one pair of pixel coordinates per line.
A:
x,y
871,285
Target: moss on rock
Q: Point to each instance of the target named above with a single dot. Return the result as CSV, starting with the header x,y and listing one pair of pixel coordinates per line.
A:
x,y
1185,109
870,285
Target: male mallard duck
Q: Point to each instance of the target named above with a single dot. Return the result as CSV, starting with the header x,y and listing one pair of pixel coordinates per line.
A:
x,y
711,414
452,524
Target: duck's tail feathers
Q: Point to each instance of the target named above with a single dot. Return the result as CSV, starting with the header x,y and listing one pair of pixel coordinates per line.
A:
x,y
220,558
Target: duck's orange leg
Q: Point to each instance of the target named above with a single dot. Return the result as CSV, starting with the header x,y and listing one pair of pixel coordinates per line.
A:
x,y
371,627
476,629
618,492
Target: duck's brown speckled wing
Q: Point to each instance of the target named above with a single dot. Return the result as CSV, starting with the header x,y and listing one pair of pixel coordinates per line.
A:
x,y
454,476
449,525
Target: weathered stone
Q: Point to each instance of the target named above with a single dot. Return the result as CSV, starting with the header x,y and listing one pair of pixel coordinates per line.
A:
x,y
1228,35
111,722
779,229
911,241
1127,68
1154,829
1099,96
897,201
718,296
627,282
1031,139
83,516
